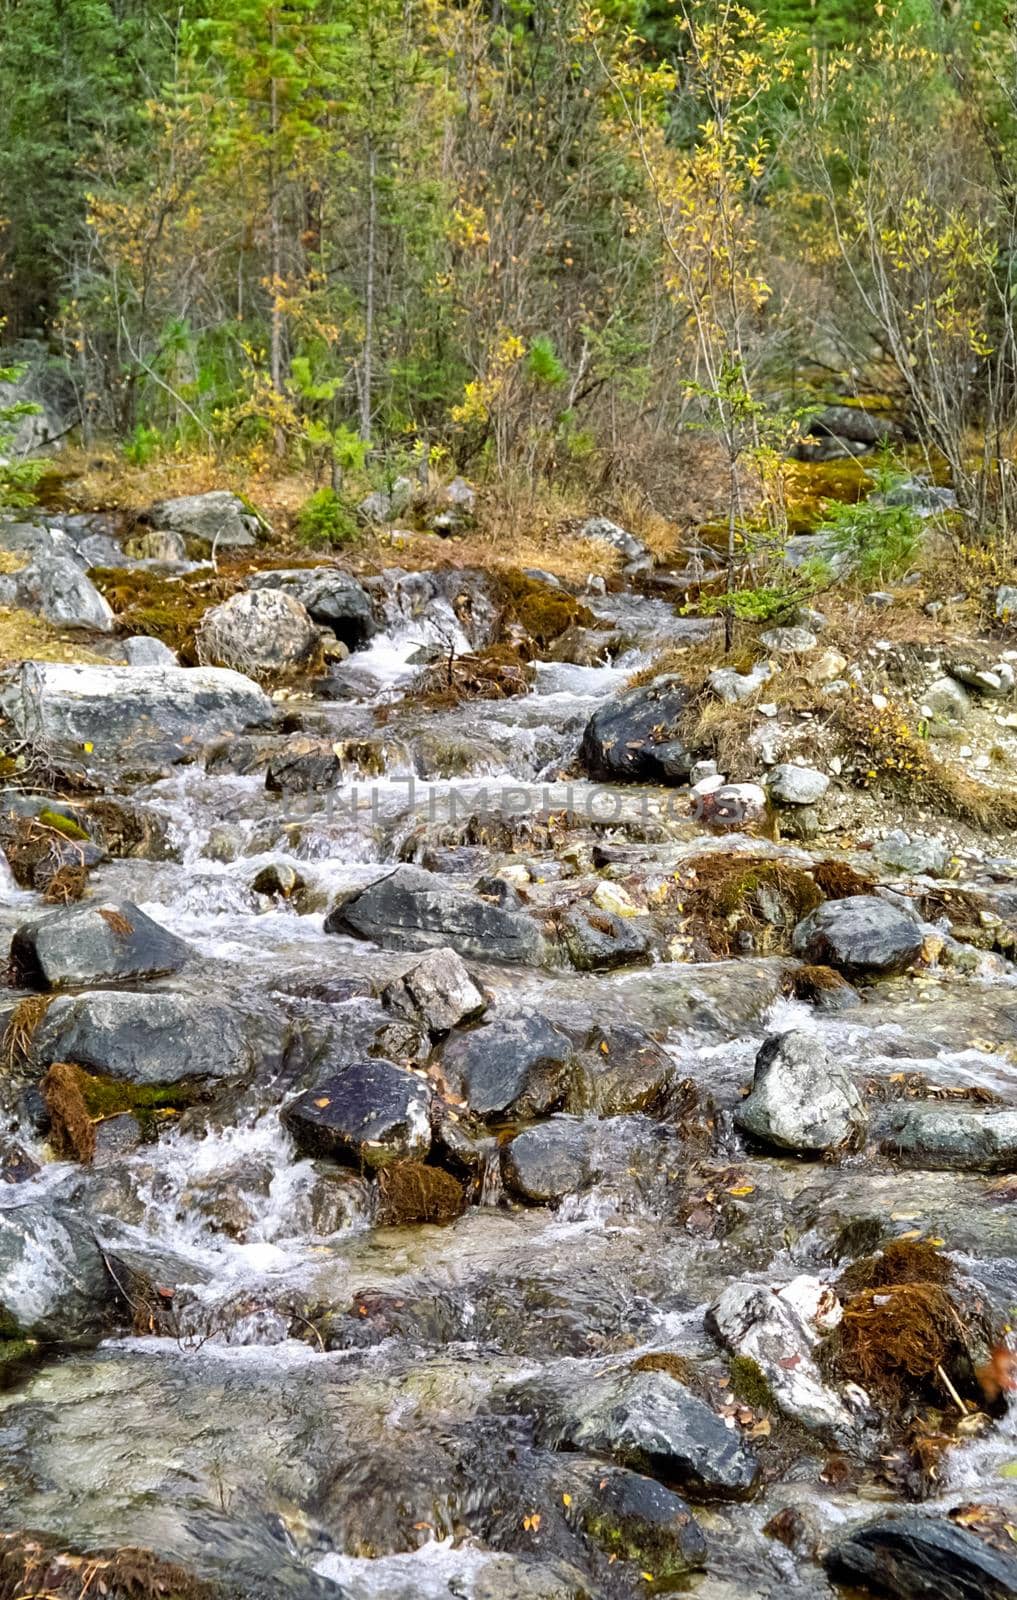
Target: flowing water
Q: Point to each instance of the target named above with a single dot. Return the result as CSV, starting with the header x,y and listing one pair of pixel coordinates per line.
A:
x,y
386,1467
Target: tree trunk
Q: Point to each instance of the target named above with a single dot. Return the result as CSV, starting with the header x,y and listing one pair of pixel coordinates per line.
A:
x,y
367,364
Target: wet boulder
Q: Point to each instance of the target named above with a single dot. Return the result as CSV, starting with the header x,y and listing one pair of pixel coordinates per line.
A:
x,y
636,737
913,1557
370,1114
801,1099
82,945
636,1518
117,710
53,1283
860,936
618,1069
758,1325
644,1420
216,518
159,1037
939,1138
410,909
301,765
331,598
513,1068
549,1161
596,940
438,990
262,632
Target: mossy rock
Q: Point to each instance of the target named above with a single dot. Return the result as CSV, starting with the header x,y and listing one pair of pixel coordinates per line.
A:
x,y
543,612
163,607
749,1384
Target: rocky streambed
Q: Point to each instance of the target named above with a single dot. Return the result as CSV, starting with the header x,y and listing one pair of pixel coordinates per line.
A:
x,y
461,1146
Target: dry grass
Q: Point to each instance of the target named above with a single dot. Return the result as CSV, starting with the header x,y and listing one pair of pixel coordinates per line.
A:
x,y
25,637
411,1192
72,1131
22,1026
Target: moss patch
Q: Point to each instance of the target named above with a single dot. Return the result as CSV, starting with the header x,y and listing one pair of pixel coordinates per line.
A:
x,y
77,1100
497,673
164,607
543,612
728,897
411,1192
749,1384
38,850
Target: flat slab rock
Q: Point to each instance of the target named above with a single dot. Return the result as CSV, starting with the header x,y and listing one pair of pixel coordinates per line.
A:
x,y
160,1037
410,909
67,707
647,1421
923,1558
940,1138
84,945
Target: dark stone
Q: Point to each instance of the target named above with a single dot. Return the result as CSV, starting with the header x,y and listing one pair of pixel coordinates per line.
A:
x,y
303,766
371,1113
923,1558
332,598
94,944
860,935
16,1165
514,1068
415,910
159,1037
549,1161
636,737
851,422
596,941
647,1421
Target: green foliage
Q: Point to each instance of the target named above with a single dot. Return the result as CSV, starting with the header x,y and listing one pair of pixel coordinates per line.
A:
x,y
325,519
143,445
543,364
18,478
750,605
876,540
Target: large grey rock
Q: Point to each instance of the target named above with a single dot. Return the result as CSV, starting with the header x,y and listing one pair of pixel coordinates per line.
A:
x,y
160,1037
914,1557
515,1068
439,990
549,1161
56,587
262,632
791,785
370,1113
801,1099
217,518
940,1138
331,598
411,909
601,530
753,1321
88,944
41,385
619,1069
66,707
647,1421
636,737
53,1284
860,935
